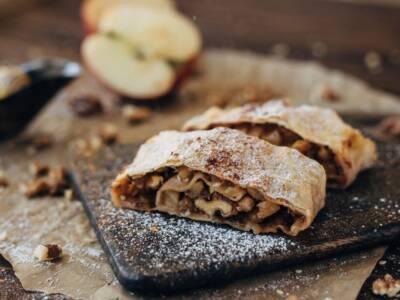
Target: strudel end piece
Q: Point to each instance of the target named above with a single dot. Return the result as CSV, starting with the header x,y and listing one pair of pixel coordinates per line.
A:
x,y
319,133
223,176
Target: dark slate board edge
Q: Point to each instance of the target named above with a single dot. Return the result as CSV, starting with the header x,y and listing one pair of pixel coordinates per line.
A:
x,y
186,280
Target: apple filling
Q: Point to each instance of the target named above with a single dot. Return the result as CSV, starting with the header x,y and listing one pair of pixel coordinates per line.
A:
x,y
200,196
280,136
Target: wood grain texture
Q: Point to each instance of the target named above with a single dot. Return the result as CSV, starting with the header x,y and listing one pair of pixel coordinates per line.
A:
x,y
348,30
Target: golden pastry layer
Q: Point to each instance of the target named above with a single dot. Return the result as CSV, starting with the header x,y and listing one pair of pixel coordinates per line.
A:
x,y
316,132
223,176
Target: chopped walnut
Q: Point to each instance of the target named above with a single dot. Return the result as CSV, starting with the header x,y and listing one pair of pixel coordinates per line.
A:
x,y
69,195
302,146
184,174
37,169
53,184
3,235
38,187
47,252
214,205
153,228
3,179
246,204
386,286
135,114
108,133
86,105
154,182
266,209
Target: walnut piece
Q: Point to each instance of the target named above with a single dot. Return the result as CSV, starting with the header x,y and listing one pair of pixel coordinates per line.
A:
x,y
266,209
154,182
108,134
37,169
86,105
216,204
69,195
47,252
302,146
3,179
53,184
135,114
386,286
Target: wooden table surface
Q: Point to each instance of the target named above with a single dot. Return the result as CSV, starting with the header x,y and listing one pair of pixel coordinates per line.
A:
x,y
338,34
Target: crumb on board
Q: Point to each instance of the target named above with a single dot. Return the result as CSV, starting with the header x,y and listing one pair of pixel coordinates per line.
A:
x,y
3,235
3,179
85,105
69,195
108,133
387,286
135,114
153,228
48,252
37,169
55,183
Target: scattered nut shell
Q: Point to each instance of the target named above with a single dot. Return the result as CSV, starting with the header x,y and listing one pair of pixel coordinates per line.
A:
x,y
3,179
37,169
108,134
69,195
386,286
86,105
47,252
135,114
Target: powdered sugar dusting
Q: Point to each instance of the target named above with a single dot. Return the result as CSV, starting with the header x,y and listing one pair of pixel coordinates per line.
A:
x,y
277,172
183,244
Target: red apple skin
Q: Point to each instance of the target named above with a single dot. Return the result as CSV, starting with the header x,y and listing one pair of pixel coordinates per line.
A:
x,y
105,84
87,27
181,76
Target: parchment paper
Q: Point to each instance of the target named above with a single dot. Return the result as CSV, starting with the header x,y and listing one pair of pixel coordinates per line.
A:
x,y
84,272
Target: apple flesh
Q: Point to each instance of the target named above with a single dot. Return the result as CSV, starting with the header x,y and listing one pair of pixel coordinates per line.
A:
x,y
92,10
113,63
163,33
140,52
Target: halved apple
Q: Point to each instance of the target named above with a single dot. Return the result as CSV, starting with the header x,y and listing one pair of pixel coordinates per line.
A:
x,y
92,10
162,33
141,52
114,63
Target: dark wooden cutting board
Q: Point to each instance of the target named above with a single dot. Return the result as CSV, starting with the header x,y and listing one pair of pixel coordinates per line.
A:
x,y
158,253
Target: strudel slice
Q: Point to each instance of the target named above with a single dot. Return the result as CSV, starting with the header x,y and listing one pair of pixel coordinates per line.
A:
x,y
318,133
223,176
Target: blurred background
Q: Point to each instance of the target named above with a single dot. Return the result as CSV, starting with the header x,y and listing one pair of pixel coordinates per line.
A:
x,y
359,37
